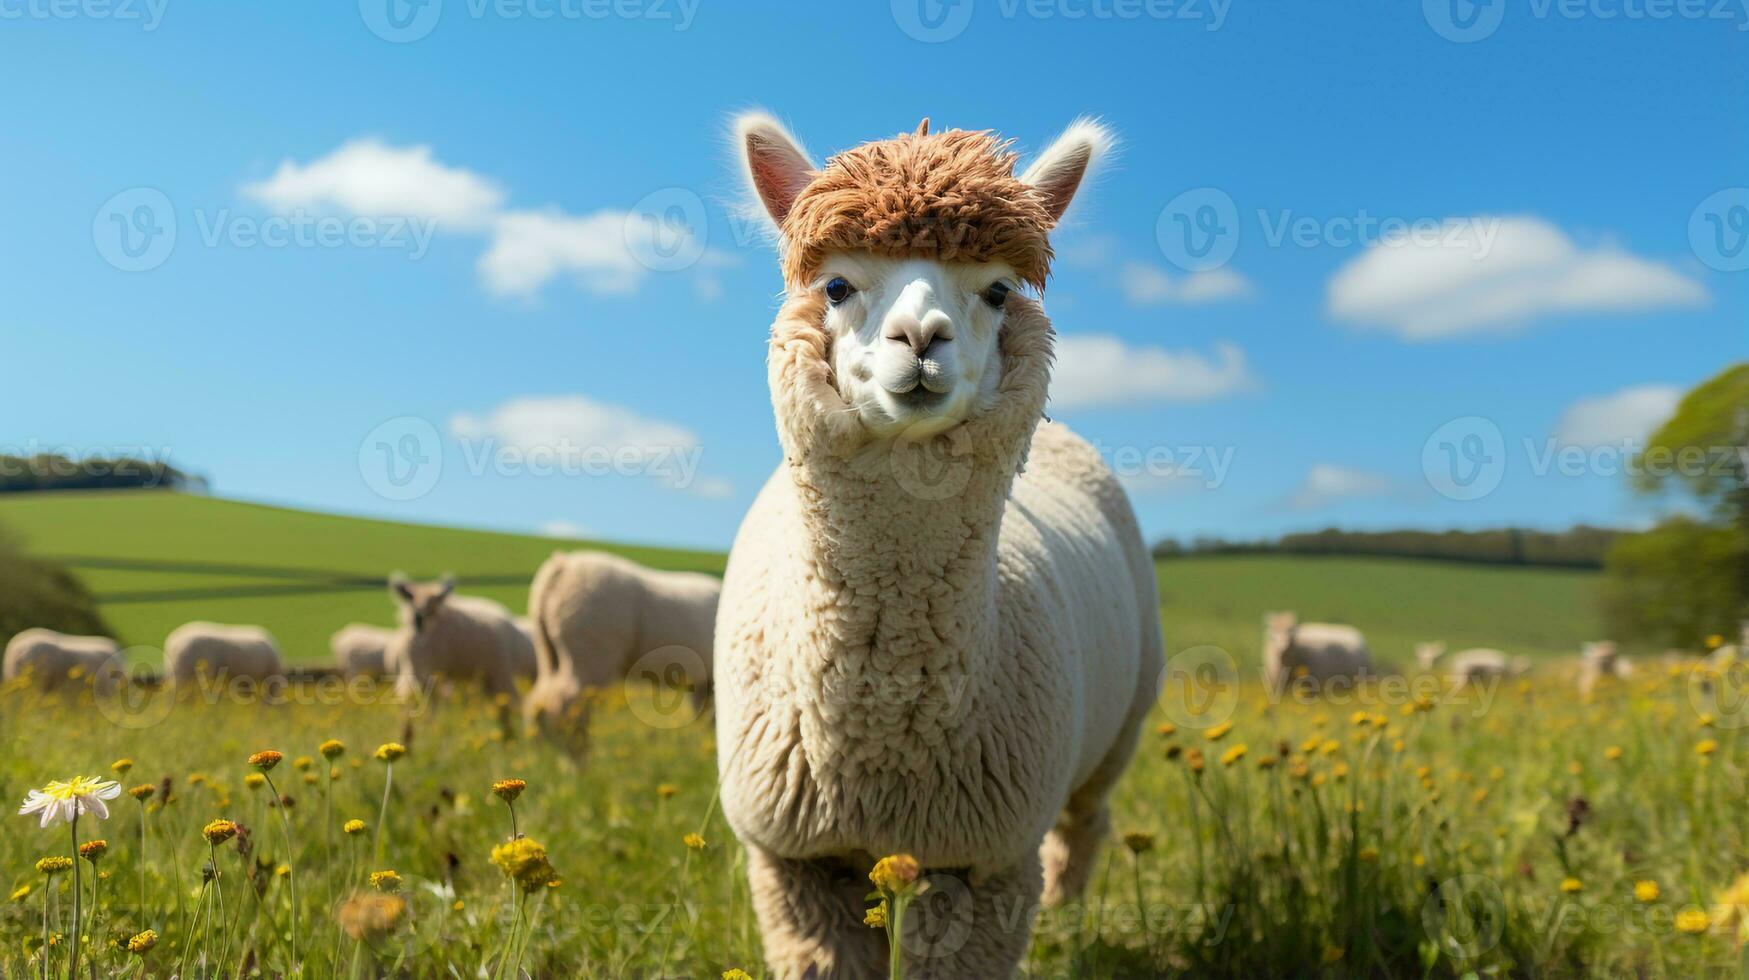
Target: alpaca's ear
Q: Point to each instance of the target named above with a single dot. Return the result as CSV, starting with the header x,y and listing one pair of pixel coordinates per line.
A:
x,y
1058,172
399,588
775,164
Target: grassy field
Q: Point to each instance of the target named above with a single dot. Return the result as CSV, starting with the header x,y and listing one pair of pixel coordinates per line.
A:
x,y
157,560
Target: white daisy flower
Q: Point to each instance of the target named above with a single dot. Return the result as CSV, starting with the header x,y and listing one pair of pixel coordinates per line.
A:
x,y
64,800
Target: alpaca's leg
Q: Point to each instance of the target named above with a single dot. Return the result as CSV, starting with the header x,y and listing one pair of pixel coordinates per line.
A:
x,y
1071,847
810,913
957,929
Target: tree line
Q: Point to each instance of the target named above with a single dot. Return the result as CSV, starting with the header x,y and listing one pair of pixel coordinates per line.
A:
x,y
54,471
1581,546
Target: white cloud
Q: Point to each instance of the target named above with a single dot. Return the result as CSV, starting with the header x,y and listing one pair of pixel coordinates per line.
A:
x,y
1491,274
1149,285
1622,418
368,178
570,435
529,248
1327,483
1096,370
569,530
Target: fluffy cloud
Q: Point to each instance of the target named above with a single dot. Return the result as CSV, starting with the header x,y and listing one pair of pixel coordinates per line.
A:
x,y
570,435
1327,484
1489,274
529,248
369,178
1095,370
1149,285
1622,418
569,530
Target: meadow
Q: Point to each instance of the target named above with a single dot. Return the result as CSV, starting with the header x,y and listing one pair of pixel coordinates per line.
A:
x,y
1402,828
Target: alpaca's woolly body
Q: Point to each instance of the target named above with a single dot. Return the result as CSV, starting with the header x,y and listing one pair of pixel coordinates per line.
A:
x,y
469,638
49,658
595,615
220,652
361,650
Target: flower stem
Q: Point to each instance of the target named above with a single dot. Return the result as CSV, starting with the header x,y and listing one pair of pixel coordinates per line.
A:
x,y
73,957
290,863
376,850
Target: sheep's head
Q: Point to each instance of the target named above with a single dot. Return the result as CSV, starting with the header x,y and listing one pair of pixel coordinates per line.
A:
x,y
1427,654
914,247
420,602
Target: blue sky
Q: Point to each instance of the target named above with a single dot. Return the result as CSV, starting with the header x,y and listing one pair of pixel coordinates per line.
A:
x,y
519,233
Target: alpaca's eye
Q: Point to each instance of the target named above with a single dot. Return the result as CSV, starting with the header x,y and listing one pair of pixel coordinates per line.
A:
x,y
839,290
996,294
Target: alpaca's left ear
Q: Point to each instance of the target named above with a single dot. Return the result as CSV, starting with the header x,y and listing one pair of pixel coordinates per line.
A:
x,y
1058,172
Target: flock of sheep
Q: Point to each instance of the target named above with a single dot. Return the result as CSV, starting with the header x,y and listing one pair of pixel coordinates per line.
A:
x,y
592,615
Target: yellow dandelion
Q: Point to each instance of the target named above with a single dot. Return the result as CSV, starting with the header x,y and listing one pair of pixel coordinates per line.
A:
x,y
509,789
874,918
302,763
1571,886
353,827
20,893
54,865
895,872
693,841
385,881
93,850
265,760
667,790
121,766
736,975
1166,728
1646,890
332,749
1613,753
218,832
143,792
390,751
1706,747
1218,732
141,943
524,861
1693,921
1233,754
255,780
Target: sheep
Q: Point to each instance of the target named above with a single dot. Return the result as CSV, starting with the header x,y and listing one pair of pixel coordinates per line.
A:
x,y
50,659
456,636
1470,666
361,650
922,645
1598,661
200,649
1321,652
596,615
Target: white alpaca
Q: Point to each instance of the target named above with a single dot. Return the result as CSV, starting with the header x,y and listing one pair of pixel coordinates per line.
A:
x,y
1470,666
361,650
1321,652
454,636
939,629
52,659
1599,661
218,652
596,614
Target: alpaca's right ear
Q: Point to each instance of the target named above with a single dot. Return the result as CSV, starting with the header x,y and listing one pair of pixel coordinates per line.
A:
x,y
776,166
399,588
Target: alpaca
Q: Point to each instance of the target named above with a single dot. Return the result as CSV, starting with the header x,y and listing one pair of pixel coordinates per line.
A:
x,y
458,637
1320,651
199,649
939,628
596,615
361,650
1470,666
1600,661
50,660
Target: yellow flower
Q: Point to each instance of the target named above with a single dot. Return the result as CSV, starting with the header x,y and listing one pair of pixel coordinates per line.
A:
x,y
736,975
875,918
255,780
390,751
1646,890
266,759
1715,641
369,915
385,881
1193,761
54,864
509,789
1613,753
218,832
143,792
1705,721
303,763
121,766
1138,842
1359,718
20,893
353,827
895,872
693,841
141,943
525,862
93,850
1692,921
332,749
1218,732
1233,754
1166,728
1571,886
1706,747
667,790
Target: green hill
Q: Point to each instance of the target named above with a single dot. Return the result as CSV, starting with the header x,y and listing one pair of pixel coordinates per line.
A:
x,y
155,560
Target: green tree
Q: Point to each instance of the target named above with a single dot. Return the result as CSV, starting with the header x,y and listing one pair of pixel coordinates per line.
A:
x,y
1688,578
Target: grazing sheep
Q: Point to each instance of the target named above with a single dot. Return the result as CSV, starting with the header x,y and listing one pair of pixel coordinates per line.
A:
x,y
922,644
1322,652
458,637
597,614
50,660
361,650
199,649
1472,665
1598,661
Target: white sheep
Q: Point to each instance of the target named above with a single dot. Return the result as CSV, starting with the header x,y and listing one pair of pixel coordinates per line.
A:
x,y
454,636
1599,661
50,660
215,651
361,650
1470,666
596,614
939,627
1319,652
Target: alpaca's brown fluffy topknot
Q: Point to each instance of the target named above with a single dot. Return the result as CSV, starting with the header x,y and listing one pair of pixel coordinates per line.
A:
x,y
950,196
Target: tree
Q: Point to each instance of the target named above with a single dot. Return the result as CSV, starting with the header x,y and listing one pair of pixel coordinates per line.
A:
x,y
1688,578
